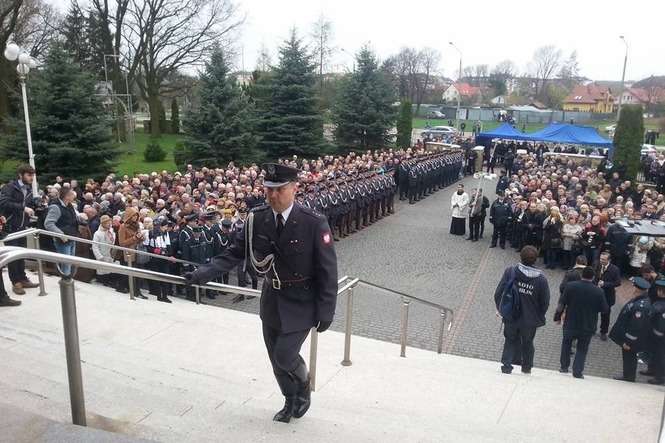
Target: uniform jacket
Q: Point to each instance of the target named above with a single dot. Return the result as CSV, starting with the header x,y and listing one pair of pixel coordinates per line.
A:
x,y
534,294
633,325
582,302
305,263
500,213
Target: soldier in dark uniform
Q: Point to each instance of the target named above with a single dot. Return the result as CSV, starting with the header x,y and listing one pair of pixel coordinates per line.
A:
x,y
335,209
361,203
632,327
413,184
196,249
500,215
657,336
352,219
403,179
292,247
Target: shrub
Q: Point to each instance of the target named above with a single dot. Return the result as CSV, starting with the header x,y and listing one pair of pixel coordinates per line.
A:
x,y
154,152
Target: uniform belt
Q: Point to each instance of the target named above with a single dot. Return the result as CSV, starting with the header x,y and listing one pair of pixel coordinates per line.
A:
x,y
283,284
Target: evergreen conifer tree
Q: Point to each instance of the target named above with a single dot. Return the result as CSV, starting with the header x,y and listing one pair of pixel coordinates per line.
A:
x,y
363,112
71,133
628,140
404,125
222,129
292,125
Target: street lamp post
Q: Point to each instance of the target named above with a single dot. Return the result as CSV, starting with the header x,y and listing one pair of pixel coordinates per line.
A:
x,y
459,79
623,75
12,53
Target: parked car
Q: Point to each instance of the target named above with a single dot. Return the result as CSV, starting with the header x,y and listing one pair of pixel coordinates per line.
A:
x,y
436,114
439,131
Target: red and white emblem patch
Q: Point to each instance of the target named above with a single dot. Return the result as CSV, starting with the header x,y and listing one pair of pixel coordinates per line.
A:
x,y
327,238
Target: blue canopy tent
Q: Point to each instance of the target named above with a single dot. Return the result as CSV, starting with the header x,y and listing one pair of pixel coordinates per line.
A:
x,y
570,134
503,131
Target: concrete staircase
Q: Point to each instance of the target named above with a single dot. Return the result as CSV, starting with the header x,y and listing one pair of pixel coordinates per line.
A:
x,y
183,372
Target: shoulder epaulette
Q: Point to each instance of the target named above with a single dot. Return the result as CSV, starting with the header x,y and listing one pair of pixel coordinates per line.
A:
x,y
311,212
260,208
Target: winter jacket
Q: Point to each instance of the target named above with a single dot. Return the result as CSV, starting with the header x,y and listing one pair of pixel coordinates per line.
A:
x,y
534,295
12,205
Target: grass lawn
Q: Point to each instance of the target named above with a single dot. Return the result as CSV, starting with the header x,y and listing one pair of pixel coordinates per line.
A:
x,y
132,162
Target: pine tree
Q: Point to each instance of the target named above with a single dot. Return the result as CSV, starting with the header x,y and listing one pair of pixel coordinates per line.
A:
x,y
222,129
75,34
404,125
292,125
71,133
363,113
175,117
628,140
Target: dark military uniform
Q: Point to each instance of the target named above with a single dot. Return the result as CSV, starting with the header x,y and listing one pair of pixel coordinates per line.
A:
x,y
299,291
632,328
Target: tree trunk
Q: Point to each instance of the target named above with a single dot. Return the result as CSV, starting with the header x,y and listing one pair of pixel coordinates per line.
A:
x,y
155,108
6,78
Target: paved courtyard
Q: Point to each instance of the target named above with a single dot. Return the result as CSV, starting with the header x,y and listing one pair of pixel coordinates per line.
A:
x,y
413,252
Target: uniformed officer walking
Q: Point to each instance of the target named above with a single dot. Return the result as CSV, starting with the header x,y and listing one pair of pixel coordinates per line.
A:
x,y
292,246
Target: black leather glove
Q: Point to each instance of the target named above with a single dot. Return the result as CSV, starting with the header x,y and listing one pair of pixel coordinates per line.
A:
x,y
323,326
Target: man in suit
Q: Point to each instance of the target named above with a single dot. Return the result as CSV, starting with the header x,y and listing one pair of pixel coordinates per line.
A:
x,y
292,246
581,301
608,278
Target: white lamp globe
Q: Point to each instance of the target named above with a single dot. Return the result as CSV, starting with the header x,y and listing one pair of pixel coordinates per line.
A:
x,y
24,58
22,69
32,63
11,52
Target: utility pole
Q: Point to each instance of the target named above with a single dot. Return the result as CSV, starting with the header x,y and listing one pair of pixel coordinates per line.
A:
x,y
459,79
623,76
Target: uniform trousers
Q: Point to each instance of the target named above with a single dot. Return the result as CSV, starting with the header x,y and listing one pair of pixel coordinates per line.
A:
x,y
284,353
629,364
518,339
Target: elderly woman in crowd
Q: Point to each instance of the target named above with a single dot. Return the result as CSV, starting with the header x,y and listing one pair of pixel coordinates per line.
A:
x,y
571,233
104,239
552,240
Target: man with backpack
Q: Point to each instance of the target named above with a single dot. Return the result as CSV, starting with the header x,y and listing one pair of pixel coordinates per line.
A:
x,y
581,301
521,298
632,328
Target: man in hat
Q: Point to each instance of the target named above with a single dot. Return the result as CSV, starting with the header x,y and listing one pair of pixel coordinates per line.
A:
x,y
500,216
632,328
582,301
292,246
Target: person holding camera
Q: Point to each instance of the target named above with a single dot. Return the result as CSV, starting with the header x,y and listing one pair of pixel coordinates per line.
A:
x,y
17,206
63,219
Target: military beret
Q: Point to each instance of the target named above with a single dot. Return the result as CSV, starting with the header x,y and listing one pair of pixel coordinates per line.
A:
x,y
641,283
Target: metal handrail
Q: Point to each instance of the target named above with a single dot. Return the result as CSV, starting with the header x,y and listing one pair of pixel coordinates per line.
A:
x,y
35,231
9,254
12,253
404,322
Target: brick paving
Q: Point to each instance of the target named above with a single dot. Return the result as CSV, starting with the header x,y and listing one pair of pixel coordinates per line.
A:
x,y
413,252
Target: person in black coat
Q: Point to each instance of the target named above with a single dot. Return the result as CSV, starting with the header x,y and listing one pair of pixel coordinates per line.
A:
x,y
534,300
292,246
656,341
608,278
500,216
581,302
17,206
574,274
632,328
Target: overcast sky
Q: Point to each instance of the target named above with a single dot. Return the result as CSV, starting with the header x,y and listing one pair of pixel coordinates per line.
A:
x,y
486,31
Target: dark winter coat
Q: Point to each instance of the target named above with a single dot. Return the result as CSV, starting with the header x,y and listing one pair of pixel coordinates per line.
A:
x,y
534,295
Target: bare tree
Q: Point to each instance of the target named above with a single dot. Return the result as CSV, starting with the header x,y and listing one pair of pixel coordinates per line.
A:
x,y
506,69
322,35
546,61
163,36
429,60
264,60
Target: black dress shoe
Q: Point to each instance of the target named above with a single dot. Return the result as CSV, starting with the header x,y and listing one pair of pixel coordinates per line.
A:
x,y
656,381
526,370
139,295
578,376
492,246
286,413
303,400
563,370
622,378
6,301
165,299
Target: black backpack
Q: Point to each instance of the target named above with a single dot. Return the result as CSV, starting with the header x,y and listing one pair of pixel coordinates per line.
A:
x,y
510,306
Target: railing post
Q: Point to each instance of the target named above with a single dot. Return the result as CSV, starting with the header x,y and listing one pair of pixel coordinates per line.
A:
x,y
70,327
40,268
198,294
349,322
130,259
405,326
313,349
443,326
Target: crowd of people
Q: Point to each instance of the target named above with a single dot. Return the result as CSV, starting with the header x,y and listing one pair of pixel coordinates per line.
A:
x,y
193,216
575,217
